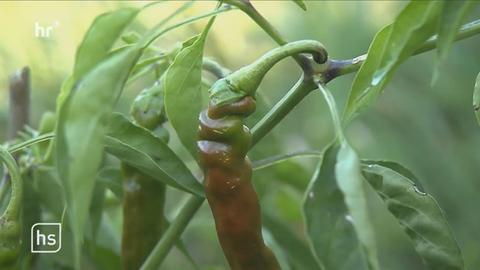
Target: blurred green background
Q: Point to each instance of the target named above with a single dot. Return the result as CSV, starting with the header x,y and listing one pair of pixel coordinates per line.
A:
x,y
431,129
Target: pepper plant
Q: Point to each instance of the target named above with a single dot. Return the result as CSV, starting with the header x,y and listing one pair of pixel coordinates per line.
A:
x,y
88,158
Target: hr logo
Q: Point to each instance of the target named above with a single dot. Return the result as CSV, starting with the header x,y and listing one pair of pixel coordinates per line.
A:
x,y
46,237
45,31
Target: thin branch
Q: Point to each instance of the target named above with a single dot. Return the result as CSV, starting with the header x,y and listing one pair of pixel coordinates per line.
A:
x,y
172,234
335,68
19,101
215,68
44,137
270,161
244,5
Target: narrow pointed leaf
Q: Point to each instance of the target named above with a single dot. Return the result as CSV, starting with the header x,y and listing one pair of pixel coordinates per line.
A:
x,y
96,45
452,16
391,46
141,149
301,4
111,179
351,183
100,38
327,220
182,84
80,132
419,215
476,98
296,250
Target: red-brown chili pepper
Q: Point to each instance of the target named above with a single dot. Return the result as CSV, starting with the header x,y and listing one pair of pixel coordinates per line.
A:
x,y
223,144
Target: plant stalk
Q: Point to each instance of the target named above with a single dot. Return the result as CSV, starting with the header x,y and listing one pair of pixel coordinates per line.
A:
x,y
293,97
19,100
250,10
173,232
336,68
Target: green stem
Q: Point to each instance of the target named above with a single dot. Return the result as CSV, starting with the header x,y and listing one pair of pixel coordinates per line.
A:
x,y
250,10
44,137
246,80
332,106
336,68
156,32
4,186
215,68
12,211
173,232
281,109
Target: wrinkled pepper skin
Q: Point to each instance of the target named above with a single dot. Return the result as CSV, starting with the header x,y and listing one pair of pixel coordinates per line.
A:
x,y
144,197
223,144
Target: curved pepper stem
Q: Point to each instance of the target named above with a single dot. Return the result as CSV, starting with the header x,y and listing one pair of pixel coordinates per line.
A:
x,y
245,81
12,211
10,226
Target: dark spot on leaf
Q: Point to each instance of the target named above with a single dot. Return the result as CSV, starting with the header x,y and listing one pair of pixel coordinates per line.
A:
x,y
476,107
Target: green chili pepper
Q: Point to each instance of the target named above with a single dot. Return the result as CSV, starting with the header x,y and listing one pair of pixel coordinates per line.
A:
x,y
144,197
223,145
10,225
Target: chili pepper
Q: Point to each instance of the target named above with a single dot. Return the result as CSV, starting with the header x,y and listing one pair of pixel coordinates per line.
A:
x,y
223,144
10,225
144,197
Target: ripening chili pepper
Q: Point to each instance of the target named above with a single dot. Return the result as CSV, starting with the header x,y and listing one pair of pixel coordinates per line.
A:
x,y
144,197
223,145
224,142
10,225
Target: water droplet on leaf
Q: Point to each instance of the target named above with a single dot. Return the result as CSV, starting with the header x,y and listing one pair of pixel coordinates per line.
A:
x,y
417,190
349,218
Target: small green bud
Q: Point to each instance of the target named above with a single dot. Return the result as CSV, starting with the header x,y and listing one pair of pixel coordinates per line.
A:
x,y
148,109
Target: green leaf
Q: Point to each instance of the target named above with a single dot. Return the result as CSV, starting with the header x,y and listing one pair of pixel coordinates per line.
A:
x,y
476,98
328,223
419,215
397,167
96,209
301,4
131,37
111,178
50,190
182,84
100,38
296,250
81,129
82,123
451,18
141,149
351,183
96,45
391,46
